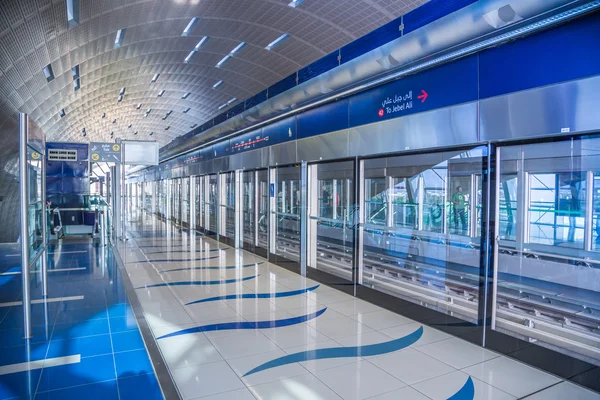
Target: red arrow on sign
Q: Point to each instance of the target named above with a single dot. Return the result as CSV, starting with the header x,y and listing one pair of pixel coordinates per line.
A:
x,y
423,97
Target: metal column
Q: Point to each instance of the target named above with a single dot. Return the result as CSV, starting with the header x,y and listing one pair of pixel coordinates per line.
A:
x,y
303,217
23,181
44,233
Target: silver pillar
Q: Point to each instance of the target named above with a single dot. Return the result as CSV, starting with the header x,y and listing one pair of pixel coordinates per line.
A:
x,y
303,217
44,233
23,181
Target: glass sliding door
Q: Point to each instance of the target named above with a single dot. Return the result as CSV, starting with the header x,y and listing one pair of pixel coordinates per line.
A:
x,y
421,224
547,283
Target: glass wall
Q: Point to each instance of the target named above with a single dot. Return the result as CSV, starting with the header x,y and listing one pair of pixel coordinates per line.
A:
x,y
212,203
547,286
331,217
262,187
227,204
249,208
199,188
185,201
422,218
287,213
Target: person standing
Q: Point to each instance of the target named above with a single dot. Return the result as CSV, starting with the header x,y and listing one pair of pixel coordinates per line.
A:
x,y
459,206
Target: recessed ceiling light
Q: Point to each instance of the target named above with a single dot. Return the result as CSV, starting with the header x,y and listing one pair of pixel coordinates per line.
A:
x,y
151,133
186,110
62,113
277,41
148,111
103,115
120,99
76,84
186,95
167,128
161,93
72,13
155,78
216,85
114,121
75,72
189,57
122,91
139,106
237,48
201,43
223,61
193,126
48,72
119,38
129,126
190,26
135,133
83,132
169,112
222,106
232,101
112,134
295,3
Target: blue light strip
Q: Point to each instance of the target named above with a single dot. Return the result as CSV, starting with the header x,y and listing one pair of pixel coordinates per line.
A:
x,y
247,325
197,283
255,295
342,352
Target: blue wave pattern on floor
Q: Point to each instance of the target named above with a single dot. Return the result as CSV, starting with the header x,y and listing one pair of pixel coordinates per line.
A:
x,y
342,352
186,251
211,268
185,259
198,283
255,295
247,325
467,392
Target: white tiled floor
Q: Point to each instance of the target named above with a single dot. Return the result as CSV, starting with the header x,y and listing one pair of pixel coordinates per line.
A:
x,y
212,365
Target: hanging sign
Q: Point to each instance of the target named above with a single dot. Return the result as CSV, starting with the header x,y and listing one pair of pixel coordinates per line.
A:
x,y
105,152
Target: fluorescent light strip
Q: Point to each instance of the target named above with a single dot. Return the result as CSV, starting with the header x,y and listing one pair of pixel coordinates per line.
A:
x,y
119,38
160,94
222,106
139,106
122,91
201,43
155,78
75,72
120,99
295,3
189,57
62,113
277,41
190,26
186,110
216,85
48,72
237,48
232,101
223,61
186,95
72,13
76,84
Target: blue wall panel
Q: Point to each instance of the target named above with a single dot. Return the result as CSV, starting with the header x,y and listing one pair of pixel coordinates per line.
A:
x,y
256,99
449,84
236,110
249,141
283,85
328,118
431,11
320,66
571,51
372,40
281,131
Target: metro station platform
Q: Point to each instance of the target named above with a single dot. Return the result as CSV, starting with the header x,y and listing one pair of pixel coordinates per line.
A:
x,y
230,325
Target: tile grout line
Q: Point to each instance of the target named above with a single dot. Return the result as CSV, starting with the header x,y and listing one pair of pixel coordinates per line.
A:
x,y
112,349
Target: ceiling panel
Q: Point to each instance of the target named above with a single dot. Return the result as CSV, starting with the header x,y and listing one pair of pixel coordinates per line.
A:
x,y
33,33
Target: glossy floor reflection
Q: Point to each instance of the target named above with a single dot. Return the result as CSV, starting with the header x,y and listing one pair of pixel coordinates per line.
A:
x,y
231,325
86,341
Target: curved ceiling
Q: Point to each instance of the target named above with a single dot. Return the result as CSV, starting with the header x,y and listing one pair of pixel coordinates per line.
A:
x,y
34,33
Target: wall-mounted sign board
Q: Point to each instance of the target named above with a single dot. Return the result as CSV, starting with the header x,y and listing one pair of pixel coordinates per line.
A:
x,y
140,153
62,155
105,152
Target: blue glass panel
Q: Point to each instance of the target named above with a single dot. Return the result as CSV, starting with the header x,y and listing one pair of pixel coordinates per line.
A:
x,y
370,41
220,118
431,11
320,66
236,110
328,118
256,99
282,85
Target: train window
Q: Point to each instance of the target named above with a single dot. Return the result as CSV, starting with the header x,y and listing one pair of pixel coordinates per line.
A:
x,y
508,206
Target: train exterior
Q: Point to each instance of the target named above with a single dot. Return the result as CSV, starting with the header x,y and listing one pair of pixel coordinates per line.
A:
x,y
474,208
